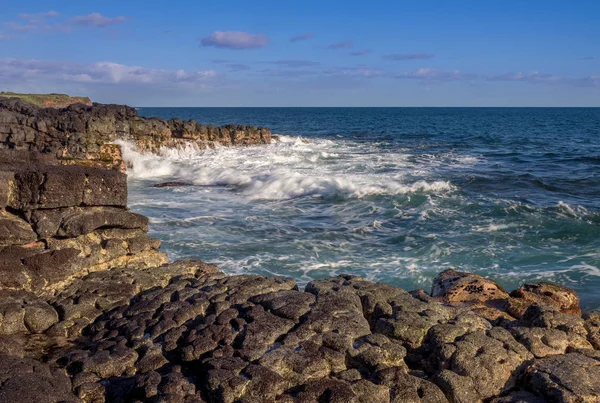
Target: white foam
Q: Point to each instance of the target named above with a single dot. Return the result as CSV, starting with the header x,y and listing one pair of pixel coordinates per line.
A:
x,y
286,170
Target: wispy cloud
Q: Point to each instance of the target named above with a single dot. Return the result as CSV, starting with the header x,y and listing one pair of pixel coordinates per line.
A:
x,y
341,45
588,58
38,23
360,52
17,27
98,73
35,16
429,74
235,40
233,67
409,56
4,36
295,63
302,37
528,77
97,20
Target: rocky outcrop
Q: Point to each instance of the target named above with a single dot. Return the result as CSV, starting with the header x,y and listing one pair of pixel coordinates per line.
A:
x,y
186,332
85,135
91,311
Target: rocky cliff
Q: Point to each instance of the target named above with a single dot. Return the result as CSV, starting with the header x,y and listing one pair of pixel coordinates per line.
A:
x,y
91,311
85,135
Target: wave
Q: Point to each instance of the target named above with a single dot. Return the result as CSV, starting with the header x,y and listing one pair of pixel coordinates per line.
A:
x,y
290,169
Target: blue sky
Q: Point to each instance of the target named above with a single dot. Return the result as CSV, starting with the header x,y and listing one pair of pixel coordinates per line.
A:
x,y
310,53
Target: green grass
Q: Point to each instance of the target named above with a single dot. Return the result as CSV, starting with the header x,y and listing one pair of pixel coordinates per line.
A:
x,y
42,99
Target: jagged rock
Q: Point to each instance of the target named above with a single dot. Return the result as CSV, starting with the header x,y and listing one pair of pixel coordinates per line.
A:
x,y
565,378
562,299
592,325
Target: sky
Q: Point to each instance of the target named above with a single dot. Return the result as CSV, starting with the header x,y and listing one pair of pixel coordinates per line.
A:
x,y
309,53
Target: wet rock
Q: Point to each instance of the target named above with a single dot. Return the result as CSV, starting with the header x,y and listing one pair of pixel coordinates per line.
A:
x,y
171,184
565,378
562,299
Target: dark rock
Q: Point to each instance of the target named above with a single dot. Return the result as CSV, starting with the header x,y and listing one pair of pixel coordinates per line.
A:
x,y
27,380
565,378
519,397
46,186
14,230
23,312
457,388
592,325
75,221
492,359
171,184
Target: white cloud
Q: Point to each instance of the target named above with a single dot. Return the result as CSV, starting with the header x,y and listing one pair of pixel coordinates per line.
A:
x,y
434,74
409,56
235,40
100,73
531,77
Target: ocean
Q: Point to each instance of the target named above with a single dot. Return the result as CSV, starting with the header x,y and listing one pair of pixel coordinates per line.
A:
x,y
395,195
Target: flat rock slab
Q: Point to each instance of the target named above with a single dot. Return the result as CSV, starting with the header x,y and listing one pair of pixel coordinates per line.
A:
x,y
47,186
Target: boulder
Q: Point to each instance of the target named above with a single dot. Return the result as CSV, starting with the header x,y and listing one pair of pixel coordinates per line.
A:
x,y
562,299
456,287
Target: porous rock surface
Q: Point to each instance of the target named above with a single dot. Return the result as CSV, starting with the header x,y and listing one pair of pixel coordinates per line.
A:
x,y
92,311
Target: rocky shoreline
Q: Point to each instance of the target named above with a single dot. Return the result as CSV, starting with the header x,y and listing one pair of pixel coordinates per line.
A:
x,y
92,311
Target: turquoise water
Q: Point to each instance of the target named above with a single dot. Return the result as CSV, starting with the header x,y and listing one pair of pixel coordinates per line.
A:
x,y
391,194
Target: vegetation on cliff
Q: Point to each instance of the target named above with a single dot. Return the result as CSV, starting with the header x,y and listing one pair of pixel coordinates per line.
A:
x,y
48,100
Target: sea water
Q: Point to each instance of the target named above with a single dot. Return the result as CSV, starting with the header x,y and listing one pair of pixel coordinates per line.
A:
x,y
391,194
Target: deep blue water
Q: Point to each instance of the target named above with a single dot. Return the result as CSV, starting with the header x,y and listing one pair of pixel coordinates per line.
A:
x,y
392,194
